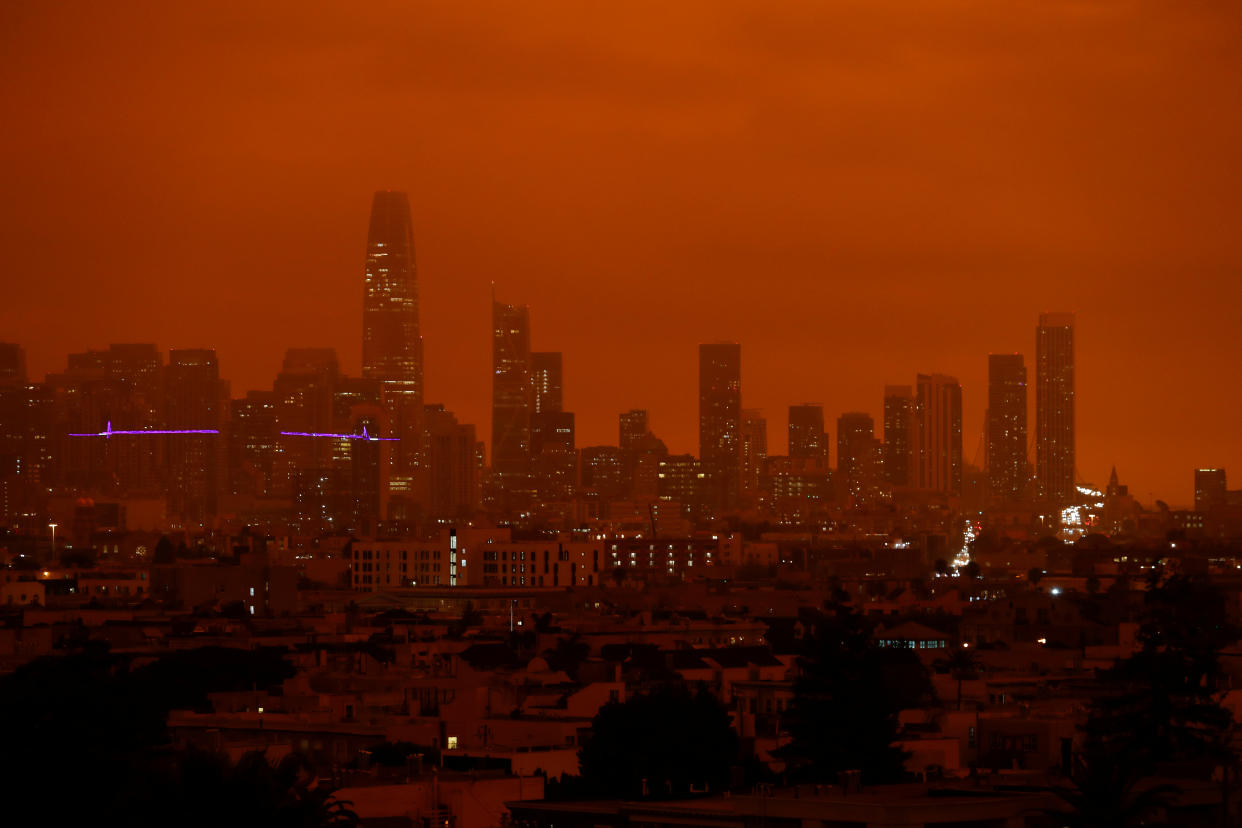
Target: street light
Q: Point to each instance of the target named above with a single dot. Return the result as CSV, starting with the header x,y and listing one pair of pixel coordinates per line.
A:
x,y
53,527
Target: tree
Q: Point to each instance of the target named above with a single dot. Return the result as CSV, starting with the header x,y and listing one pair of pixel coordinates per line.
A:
x,y
844,712
659,744
1161,704
971,570
569,652
92,719
164,552
962,664
1158,711
1103,793
941,566
1034,575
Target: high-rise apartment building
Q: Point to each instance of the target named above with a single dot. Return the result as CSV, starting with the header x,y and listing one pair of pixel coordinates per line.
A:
x,y
900,436
682,479
720,410
939,417
253,443
1211,490
454,490
546,382
512,393
123,385
193,399
858,456
806,432
1006,426
392,343
1054,407
633,425
754,451
12,364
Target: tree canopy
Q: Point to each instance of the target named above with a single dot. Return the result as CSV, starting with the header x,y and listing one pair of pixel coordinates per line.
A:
x,y
846,700
659,744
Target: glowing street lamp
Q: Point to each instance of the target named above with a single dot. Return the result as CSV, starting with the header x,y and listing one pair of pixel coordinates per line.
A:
x,y
52,526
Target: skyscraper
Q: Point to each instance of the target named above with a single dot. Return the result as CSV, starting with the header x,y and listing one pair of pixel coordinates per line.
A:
x,y
392,344
939,416
1006,426
806,432
253,443
858,456
754,451
12,364
1211,490
547,382
450,461
512,392
1054,406
633,425
900,436
720,409
193,399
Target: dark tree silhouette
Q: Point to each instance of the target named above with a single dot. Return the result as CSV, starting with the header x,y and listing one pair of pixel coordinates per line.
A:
x,y
1101,792
1158,712
1161,704
164,552
659,744
86,743
846,700
568,654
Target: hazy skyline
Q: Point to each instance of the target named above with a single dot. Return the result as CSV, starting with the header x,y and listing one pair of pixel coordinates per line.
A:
x,y
856,194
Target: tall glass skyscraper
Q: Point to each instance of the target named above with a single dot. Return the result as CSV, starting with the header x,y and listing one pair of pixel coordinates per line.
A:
x,y
513,392
939,414
1006,426
720,411
1054,406
806,431
392,345
901,439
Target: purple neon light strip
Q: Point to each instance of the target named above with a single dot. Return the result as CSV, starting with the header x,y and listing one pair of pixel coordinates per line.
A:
x,y
109,431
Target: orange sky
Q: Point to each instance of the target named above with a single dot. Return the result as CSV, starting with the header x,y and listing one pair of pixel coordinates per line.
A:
x,y
855,191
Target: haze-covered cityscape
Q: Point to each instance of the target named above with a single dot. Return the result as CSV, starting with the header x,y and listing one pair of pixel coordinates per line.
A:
x,y
544,528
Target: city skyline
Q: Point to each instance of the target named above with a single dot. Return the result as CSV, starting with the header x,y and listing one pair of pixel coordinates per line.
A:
x,y
543,367
555,414
696,180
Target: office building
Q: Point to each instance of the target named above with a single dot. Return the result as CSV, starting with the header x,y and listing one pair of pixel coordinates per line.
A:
x,y
512,392
720,410
858,457
392,344
633,425
1211,490
939,417
900,436
1006,427
754,451
193,399
1054,407
806,432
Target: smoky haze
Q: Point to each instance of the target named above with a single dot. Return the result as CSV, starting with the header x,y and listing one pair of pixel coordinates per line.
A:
x,y
856,193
